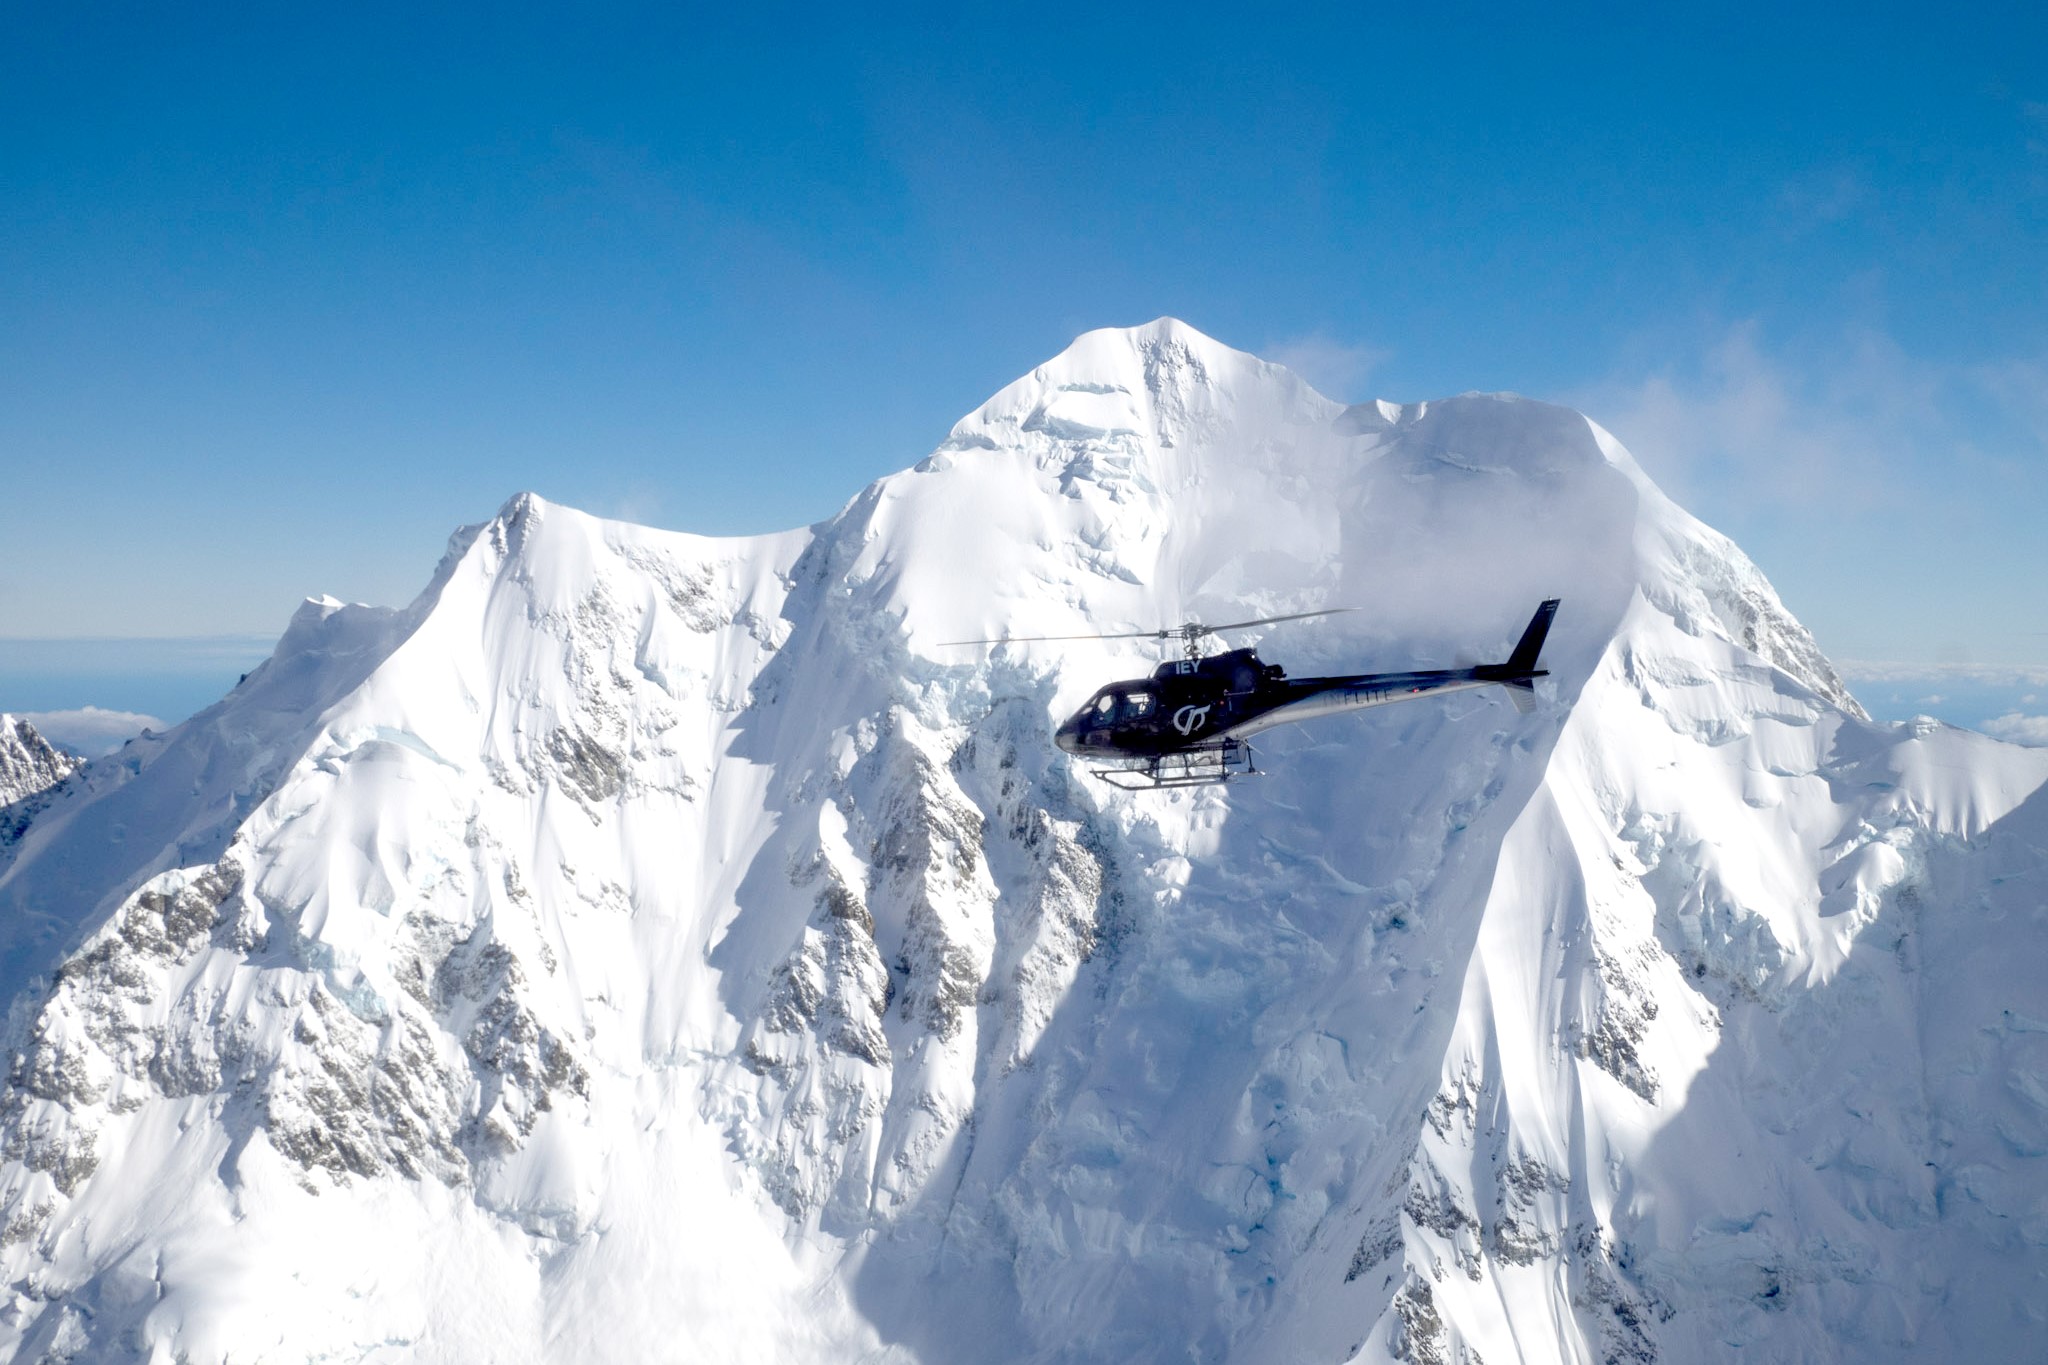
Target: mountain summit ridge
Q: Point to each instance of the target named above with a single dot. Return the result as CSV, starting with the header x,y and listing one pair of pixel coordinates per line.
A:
x,y
658,945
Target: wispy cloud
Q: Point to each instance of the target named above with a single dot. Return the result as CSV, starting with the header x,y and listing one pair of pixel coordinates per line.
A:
x,y
641,504
2020,389
1856,419
1989,675
203,654
1896,495
1336,369
2019,728
2034,119
1826,195
91,730
1839,421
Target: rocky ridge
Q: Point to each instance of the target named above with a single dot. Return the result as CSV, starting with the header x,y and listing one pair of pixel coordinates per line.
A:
x,y
30,766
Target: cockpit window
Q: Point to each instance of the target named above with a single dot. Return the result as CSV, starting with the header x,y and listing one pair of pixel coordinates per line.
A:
x,y
1115,707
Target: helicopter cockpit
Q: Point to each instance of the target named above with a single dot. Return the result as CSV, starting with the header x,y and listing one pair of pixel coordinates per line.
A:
x,y
1112,708
1133,705
1120,705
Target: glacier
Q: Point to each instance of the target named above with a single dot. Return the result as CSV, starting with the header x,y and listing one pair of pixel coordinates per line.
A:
x,y
660,947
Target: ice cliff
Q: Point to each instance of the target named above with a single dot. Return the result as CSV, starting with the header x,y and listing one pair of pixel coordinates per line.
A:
x,y
653,947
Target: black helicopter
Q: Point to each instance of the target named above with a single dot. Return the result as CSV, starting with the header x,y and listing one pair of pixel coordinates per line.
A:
x,y
1187,724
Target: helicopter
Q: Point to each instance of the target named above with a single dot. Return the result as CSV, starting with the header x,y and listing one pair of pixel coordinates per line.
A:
x,y
1187,725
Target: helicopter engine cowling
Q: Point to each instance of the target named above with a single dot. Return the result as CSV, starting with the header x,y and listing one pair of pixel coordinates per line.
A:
x,y
1239,669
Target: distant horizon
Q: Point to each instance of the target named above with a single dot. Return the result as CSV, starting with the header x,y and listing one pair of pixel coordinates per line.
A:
x,y
1695,480
288,296
80,682
190,674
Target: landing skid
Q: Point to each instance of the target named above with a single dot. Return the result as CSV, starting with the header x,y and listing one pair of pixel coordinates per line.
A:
x,y
1204,766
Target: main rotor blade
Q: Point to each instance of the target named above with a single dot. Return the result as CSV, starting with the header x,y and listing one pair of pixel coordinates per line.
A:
x,y
1028,639
1269,620
1175,633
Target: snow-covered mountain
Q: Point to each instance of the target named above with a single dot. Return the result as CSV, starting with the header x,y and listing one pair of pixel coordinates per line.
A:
x,y
653,947
29,767
28,763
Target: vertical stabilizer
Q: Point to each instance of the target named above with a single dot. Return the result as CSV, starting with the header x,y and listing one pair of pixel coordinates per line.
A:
x,y
1523,660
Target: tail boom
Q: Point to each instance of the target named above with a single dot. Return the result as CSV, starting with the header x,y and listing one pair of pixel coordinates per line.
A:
x,y
1316,697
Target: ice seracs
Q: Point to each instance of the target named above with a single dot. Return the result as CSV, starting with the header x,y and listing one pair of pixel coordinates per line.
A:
x,y
648,946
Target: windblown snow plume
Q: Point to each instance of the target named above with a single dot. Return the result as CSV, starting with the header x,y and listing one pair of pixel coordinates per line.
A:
x,y
660,948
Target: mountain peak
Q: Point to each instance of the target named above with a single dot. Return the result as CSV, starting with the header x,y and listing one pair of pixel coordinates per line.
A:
x,y
1152,381
1163,348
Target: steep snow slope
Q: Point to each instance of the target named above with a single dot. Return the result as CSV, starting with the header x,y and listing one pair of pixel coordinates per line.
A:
x,y
647,946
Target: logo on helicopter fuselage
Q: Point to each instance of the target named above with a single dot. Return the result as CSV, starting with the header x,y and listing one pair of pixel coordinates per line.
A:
x,y
1189,719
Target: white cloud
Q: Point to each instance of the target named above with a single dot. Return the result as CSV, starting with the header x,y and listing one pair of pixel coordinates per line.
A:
x,y
640,503
1336,369
1846,426
1895,494
1988,675
91,730
1826,423
2019,729
1821,197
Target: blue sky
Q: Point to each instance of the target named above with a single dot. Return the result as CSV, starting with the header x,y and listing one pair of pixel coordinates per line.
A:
x,y
286,293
